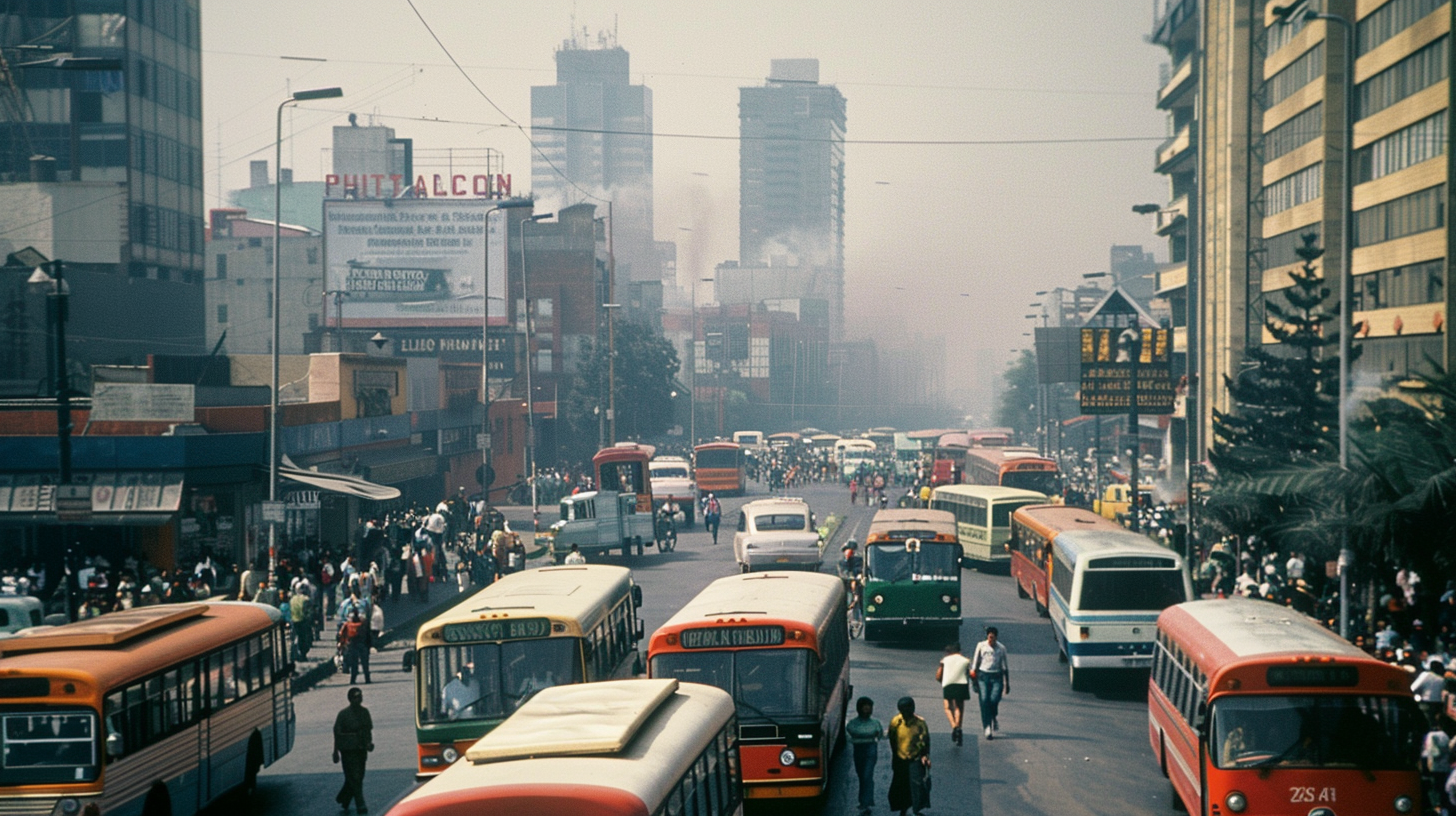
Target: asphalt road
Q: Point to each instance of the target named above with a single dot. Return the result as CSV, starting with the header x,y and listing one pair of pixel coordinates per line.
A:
x,y
1058,752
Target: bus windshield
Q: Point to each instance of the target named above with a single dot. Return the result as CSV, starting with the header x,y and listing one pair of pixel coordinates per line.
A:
x,y
763,682
893,563
1142,590
1323,731
48,746
490,680
1047,482
717,458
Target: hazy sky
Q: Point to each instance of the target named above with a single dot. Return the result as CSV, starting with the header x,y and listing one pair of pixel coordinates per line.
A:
x,y
997,221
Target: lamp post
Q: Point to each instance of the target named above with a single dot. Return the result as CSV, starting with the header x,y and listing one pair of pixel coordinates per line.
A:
x,y
530,394
1285,15
485,400
299,96
59,294
611,310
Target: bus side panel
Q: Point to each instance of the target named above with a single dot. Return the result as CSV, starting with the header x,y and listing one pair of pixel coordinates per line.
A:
x,y
173,761
1176,747
231,728
284,722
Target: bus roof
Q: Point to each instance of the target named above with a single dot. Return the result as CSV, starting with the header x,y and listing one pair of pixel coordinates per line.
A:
x,y
999,456
811,598
885,522
119,647
1049,520
576,591
624,451
953,439
718,445
673,729
1229,629
931,433
1077,544
995,493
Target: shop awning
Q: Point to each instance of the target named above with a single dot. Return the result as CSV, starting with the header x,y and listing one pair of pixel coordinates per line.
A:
x,y
142,498
338,483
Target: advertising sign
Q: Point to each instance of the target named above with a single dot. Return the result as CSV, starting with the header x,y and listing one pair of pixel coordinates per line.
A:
x,y
413,262
142,402
1107,371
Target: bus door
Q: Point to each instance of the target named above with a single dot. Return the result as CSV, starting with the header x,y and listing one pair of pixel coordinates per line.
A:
x,y
204,761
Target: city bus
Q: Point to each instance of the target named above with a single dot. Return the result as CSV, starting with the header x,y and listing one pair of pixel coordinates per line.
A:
x,y
719,468
983,520
779,643
912,580
884,438
624,468
1013,467
749,439
989,437
1253,707
948,462
153,710
1033,528
1107,588
616,748
529,630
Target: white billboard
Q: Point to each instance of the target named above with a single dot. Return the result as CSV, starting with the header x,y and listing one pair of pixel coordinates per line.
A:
x,y
412,262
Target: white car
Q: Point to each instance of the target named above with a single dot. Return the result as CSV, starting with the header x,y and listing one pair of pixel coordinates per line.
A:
x,y
672,479
777,534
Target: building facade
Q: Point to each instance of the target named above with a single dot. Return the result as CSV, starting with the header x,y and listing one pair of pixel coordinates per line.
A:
x,y
239,285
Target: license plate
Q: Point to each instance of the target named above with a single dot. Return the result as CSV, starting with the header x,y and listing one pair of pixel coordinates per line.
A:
x,y
783,560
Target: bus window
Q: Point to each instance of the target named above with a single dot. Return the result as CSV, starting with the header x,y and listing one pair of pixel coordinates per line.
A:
x,y
889,562
1326,731
1147,590
938,561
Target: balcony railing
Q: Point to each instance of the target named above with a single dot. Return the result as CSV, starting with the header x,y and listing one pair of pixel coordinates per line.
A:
x,y
1176,147
1181,77
1173,216
1168,15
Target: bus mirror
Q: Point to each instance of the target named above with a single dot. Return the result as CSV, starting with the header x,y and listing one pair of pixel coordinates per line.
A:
x,y
1200,719
641,630
113,745
636,595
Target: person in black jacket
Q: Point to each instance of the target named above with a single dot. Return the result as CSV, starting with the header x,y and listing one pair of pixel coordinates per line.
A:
x,y
353,740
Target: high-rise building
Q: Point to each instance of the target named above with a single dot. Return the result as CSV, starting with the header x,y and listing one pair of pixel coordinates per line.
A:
x,y
101,166
593,133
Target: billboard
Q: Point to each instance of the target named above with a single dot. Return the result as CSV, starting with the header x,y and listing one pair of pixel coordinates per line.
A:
x,y
1107,370
414,262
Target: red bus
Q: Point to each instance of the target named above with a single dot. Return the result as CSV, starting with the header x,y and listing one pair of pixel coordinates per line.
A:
x,y
718,468
1253,707
1013,467
989,437
1032,530
786,663
623,468
948,463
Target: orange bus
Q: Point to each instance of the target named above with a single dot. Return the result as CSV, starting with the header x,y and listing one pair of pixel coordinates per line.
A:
x,y
989,437
155,710
1253,707
1013,467
948,462
786,663
718,468
1033,528
624,469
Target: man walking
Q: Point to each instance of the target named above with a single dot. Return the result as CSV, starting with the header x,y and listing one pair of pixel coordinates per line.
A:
x,y
353,740
992,675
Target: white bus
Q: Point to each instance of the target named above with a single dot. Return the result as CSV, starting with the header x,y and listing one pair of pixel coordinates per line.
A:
x,y
639,747
983,520
749,439
1107,588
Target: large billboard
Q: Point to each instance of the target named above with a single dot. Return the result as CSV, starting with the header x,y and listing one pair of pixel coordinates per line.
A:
x,y
414,262
1107,370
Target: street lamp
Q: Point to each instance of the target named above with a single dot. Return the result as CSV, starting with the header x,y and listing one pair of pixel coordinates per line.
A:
x,y
530,394
486,443
611,309
1285,16
272,521
693,389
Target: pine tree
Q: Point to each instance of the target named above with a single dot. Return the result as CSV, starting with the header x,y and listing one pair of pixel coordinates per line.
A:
x,y
1287,400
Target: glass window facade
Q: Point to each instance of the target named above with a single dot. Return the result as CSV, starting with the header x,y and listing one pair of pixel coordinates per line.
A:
x,y
1297,74
1301,129
1402,286
1407,215
1389,20
1293,190
1423,140
1415,73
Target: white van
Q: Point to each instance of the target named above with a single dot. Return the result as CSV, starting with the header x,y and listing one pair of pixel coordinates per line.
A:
x,y
19,612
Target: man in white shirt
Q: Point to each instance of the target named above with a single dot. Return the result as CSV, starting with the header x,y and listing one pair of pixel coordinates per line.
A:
x,y
991,671
954,674
462,693
1427,689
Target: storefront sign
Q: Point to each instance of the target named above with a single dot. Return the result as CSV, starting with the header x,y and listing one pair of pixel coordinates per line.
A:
x,y
142,402
463,346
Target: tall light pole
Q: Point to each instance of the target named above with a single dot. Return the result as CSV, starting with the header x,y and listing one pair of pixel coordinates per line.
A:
x,y
1285,14
298,96
530,394
485,400
693,390
611,310
58,294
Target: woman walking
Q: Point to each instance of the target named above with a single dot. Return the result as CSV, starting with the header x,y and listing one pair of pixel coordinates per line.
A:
x,y
910,765
865,733
954,674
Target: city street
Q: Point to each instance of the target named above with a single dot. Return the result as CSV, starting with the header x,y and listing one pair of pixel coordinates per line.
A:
x,y
1058,752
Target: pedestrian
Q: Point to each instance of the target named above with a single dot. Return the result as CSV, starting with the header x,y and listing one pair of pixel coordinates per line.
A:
x,y
1427,688
910,763
575,556
991,673
954,674
354,643
712,516
865,733
853,491
300,614
376,631
353,740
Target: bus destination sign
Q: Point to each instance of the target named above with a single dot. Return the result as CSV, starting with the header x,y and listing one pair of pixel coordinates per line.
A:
x,y
727,637
1307,675
488,630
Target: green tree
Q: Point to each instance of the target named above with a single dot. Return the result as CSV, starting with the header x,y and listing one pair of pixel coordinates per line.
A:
x,y
1016,409
646,368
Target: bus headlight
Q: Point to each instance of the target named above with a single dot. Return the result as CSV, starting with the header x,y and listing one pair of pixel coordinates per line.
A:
x,y
787,757
68,806
1236,802
879,599
870,608
450,754
1404,804
945,599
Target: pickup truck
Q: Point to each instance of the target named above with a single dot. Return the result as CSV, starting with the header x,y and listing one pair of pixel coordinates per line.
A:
x,y
600,521
671,479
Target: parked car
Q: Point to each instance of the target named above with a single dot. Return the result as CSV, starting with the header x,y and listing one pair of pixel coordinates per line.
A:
x,y
18,612
672,480
777,534
601,521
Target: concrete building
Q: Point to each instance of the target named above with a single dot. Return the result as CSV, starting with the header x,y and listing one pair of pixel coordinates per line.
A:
x,y
1255,162
586,130
101,167
239,286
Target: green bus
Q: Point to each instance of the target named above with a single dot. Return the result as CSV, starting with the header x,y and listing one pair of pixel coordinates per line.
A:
x,y
912,581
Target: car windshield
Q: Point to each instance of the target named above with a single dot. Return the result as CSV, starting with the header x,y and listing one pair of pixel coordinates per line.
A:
x,y
1317,731
1142,590
764,682
779,521
482,681
48,747
893,563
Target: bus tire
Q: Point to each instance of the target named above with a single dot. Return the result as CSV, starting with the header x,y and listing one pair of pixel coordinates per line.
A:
x,y
159,801
1021,591
1178,804
1078,679
255,764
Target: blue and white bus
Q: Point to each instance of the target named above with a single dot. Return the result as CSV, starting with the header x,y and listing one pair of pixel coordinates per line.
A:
x,y
1107,588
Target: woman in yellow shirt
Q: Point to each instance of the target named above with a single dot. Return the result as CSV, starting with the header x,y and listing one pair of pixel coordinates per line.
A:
x,y
910,765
